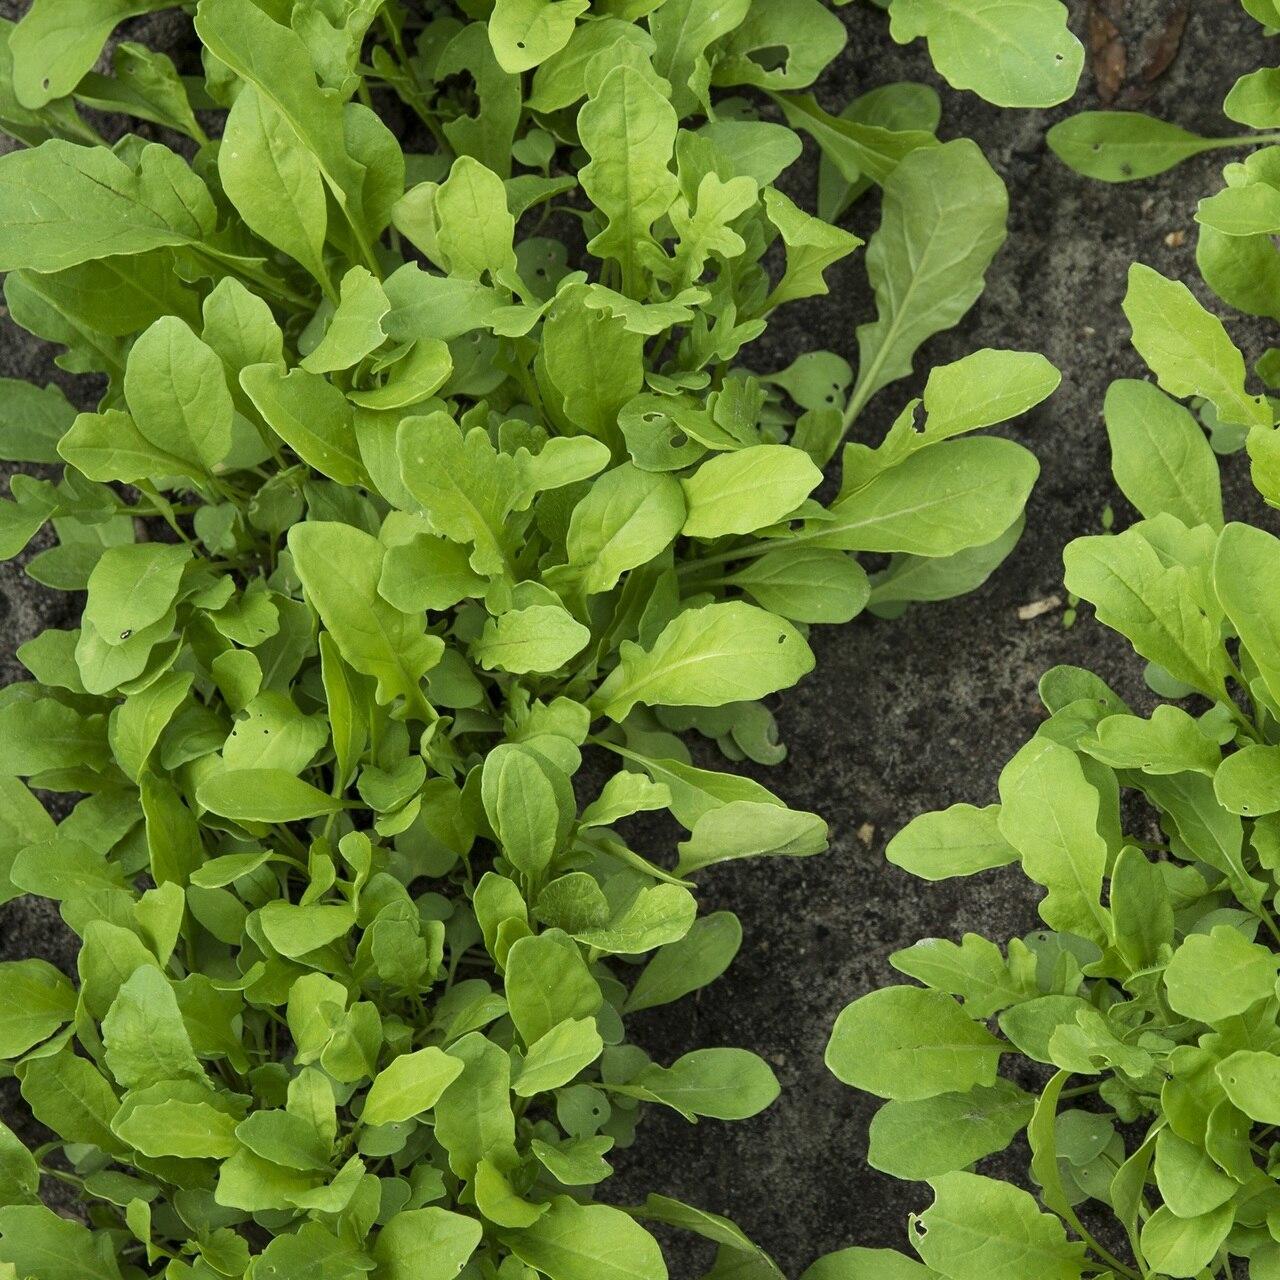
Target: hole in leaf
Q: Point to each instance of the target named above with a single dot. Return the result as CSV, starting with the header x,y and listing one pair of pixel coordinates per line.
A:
x,y
679,440
773,57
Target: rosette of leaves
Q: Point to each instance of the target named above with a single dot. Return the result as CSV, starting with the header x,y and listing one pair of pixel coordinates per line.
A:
x,y
1147,1008
408,551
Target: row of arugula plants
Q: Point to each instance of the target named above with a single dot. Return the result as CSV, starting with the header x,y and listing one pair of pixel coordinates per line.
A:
x,y
1135,1041
434,512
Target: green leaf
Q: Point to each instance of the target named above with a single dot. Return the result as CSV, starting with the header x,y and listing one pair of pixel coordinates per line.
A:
x,y
529,803
985,388
1049,813
340,567
1250,1079
542,637
547,983
683,32
525,33
557,1056
263,795
284,1139
724,1084
943,221
1248,782
1219,975
57,41
747,829
1185,1246
46,1247
628,518
806,584
574,1241
72,1097
707,657
1123,146
274,182
922,1139
473,1115
425,1244
861,151
959,841
693,962
146,1040
408,1086
940,500
1245,557
175,1127
466,486
1188,348
1015,53
746,490
1153,604
628,128
867,1264
812,246
274,60
909,1044
35,1000
979,1229
1161,458
310,415
62,204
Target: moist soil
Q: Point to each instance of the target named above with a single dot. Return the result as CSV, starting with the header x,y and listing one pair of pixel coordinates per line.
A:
x,y
900,716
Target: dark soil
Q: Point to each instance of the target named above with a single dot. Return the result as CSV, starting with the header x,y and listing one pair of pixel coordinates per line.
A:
x,y
902,716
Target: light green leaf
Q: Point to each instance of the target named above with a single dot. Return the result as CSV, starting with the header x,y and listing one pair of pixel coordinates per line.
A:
x,y
1049,813
747,489
35,1000
695,961
425,1244
63,204
310,415
557,1056
943,221
146,1040
1153,604
980,1229
724,1084
628,129
1161,458
941,500
275,182
177,393
1187,347
908,1044
922,1139
1219,975
1015,53
574,1241
263,795
542,637
1123,146
959,841
525,33
628,518
409,1085
340,567
707,657
46,1247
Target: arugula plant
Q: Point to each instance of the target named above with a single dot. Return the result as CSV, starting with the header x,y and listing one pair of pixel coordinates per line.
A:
x,y
413,537
1147,1009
